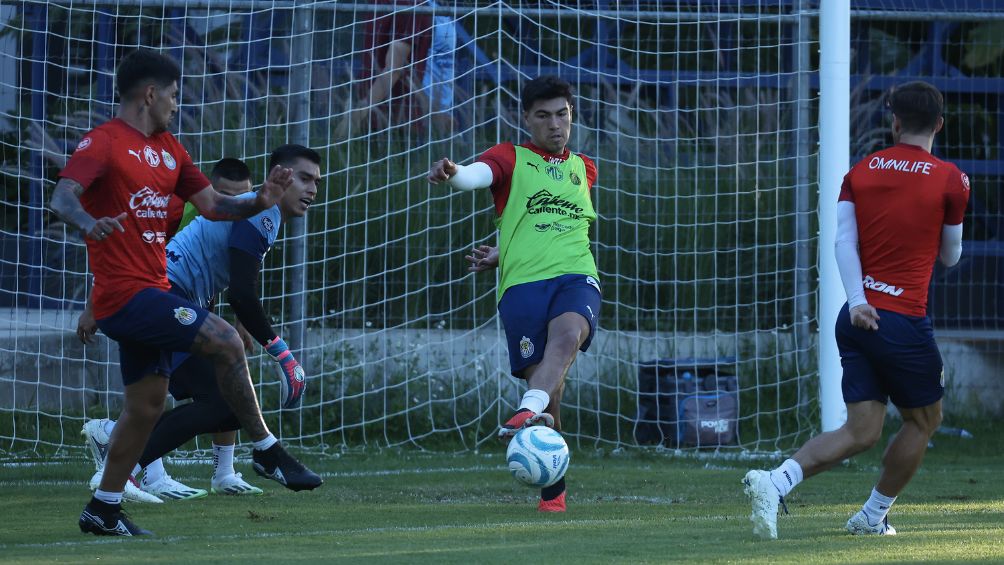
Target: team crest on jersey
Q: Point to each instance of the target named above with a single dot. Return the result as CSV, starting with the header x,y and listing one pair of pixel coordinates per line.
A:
x,y
525,347
185,316
86,142
965,180
267,224
575,179
169,161
151,156
554,172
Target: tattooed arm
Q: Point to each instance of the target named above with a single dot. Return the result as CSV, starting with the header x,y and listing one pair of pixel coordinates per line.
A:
x,y
65,203
215,206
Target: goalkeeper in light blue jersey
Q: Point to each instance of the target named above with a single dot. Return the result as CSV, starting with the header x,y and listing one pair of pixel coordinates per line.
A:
x,y
204,259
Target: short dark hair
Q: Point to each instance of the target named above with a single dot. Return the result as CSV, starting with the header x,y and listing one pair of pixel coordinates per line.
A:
x,y
918,105
144,65
230,169
545,88
286,154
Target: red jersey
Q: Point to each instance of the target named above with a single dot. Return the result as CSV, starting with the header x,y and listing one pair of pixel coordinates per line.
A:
x,y
175,211
902,197
123,170
502,159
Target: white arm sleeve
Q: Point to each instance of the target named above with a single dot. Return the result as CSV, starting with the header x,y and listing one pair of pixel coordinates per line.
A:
x,y
848,258
473,176
951,244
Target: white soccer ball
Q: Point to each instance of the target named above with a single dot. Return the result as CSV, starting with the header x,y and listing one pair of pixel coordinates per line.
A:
x,y
537,456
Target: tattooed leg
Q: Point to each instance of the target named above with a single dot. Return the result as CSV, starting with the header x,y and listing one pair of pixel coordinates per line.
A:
x,y
219,341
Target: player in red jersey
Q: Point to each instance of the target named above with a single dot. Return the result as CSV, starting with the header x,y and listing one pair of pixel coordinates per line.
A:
x,y
116,188
898,209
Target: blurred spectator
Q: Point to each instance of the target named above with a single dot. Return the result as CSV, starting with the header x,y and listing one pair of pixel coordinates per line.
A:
x,y
396,45
438,81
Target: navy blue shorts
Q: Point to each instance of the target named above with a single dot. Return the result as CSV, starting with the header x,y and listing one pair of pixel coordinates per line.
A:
x,y
151,326
899,362
527,308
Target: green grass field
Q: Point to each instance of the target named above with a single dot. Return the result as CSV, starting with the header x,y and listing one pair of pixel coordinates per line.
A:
x,y
401,506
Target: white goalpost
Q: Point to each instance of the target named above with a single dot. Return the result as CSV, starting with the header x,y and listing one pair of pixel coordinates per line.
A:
x,y
702,122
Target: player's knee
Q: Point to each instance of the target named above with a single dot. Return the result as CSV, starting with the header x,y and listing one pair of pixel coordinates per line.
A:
x,y
147,408
864,439
222,341
565,342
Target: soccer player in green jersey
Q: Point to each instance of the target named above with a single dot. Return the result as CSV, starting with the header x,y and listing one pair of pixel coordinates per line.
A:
x,y
548,294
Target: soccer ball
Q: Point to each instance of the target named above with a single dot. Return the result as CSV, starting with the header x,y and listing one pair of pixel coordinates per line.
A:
x,y
537,456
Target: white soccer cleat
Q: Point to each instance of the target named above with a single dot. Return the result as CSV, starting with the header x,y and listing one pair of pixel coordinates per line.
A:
x,y
167,488
97,440
233,484
132,493
764,499
858,525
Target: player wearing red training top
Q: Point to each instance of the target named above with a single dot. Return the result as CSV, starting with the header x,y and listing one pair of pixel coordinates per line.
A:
x,y
116,188
548,294
898,209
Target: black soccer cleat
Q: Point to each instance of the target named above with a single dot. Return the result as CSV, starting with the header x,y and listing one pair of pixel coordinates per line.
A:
x,y
103,519
276,464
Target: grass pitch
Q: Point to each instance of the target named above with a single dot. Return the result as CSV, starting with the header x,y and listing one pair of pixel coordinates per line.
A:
x,y
406,507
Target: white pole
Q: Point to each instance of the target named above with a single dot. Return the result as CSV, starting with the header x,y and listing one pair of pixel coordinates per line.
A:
x,y
834,160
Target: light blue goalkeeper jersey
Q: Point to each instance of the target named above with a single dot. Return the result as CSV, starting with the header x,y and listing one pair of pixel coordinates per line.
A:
x,y
198,257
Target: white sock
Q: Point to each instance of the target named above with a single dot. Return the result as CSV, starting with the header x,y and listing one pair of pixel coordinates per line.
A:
x,y
223,461
154,471
877,506
109,425
536,400
263,444
787,476
136,470
108,497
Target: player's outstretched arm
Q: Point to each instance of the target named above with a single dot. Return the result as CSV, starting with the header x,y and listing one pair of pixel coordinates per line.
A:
x,y
469,177
65,203
483,258
216,206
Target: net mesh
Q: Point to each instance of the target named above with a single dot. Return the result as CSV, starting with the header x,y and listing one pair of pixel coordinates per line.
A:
x,y
700,118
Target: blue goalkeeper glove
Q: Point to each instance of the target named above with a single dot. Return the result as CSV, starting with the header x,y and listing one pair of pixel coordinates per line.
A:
x,y
293,380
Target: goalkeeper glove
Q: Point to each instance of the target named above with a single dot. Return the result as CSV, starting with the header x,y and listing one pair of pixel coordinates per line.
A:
x,y
293,380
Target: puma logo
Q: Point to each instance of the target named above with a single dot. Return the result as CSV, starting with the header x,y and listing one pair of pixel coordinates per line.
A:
x,y
136,155
533,165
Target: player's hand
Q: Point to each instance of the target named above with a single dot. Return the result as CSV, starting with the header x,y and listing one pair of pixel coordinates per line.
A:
x,y
442,170
483,258
106,226
245,337
86,327
279,179
864,316
294,381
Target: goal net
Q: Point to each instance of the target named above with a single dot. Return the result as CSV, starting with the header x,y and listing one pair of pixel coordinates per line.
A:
x,y
699,115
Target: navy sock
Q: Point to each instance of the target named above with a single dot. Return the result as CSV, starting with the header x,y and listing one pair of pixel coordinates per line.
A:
x,y
553,491
102,506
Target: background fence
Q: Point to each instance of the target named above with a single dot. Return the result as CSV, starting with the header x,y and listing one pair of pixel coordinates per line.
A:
x,y
701,117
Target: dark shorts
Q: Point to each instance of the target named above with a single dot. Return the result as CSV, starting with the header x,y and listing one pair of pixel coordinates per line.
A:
x,y
193,376
527,308
151,326
899,362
